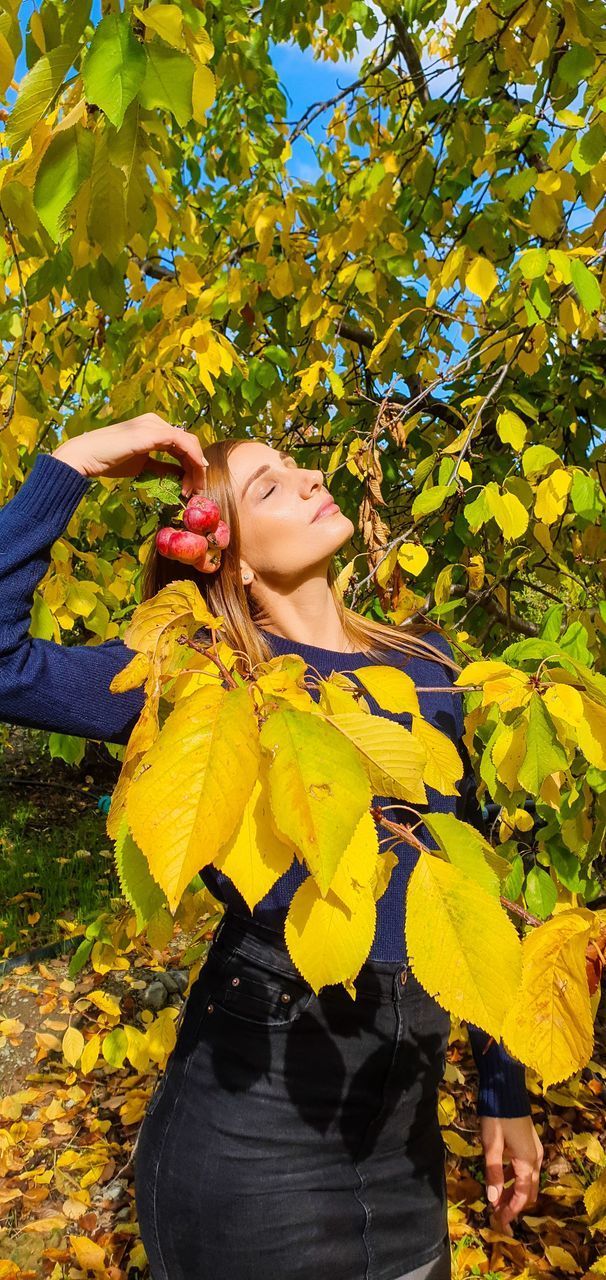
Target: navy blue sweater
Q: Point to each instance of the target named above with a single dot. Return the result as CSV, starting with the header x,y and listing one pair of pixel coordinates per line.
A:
x,y
65,688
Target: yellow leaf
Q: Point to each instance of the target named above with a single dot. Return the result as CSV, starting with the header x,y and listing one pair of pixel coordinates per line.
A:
x,y
459,1146
379,348
358,867
11,1027
393,759
386,567
90,1054
443,765
595,1199
478,672
203,92
89,1255
591,732
564,702
327,942
561,1259
54,1222
72,1045
470,961
475,572
166,20
181,828
549,1023
552,495
509,513
481,278
161,1036
132,675
254,857
178,607
317,787
412,557
105,1002
391,688
443,584
7,61
510,691
511,429
136,1048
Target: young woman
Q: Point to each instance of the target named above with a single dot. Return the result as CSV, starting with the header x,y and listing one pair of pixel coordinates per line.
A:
x,y
291,1133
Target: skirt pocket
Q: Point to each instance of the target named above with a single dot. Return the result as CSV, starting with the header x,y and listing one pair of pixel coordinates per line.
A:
x,y
261,997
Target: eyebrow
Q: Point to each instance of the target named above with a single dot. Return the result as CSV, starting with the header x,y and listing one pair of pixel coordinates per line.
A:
x,y
259,472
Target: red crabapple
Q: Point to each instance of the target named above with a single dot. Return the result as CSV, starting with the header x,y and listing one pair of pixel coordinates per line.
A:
x,y
219,537
163,538
187,547
201,514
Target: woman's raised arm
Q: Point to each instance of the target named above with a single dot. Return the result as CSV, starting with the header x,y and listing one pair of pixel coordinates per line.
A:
x,y
45,685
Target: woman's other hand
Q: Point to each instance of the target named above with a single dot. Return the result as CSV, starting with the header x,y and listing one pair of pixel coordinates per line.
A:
x,y
515,1137
124,448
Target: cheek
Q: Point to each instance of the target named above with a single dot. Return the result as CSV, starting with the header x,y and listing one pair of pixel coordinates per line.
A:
x,y
276,537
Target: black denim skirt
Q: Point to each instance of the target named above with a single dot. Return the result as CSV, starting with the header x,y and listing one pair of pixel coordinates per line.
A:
x,y
294,1135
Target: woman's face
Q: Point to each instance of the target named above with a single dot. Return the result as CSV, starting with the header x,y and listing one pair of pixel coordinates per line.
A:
x,y
277,500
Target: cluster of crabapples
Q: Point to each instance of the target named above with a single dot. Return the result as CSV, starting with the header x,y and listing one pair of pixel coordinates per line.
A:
x,y
201,541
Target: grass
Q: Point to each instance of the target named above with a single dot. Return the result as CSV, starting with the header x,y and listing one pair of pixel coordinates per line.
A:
x,y
50,870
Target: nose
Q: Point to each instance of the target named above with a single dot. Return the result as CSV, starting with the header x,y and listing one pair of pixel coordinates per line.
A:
x,y
315,478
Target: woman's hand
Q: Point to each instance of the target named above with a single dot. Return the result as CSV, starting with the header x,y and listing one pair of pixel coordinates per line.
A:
x,y
123,449
517,1138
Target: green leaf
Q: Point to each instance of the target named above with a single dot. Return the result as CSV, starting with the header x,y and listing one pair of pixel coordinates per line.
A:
x,y
586,285
166,489
80,957
584,494
537,458
38,88
551,623
465,847
575,65
575,641
64,746
540,297
430,499
544,754
511,886
114,67
106,222
65,165
541,893
477,512
534,263
589,149
138,885
168,82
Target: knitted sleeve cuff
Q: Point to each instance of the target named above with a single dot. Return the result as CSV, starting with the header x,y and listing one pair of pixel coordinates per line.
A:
x,y
502,1088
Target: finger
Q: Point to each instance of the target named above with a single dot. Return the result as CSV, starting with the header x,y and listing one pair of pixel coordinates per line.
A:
x,y
520,1196
188,450
495,1178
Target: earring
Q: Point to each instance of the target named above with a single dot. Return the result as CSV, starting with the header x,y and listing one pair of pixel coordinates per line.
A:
x,y
248,577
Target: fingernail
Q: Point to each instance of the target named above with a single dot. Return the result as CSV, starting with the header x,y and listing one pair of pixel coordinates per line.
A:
x,y
492,1194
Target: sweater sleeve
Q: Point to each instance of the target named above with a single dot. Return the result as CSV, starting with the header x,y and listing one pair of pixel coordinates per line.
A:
x,y
45,685
502,1088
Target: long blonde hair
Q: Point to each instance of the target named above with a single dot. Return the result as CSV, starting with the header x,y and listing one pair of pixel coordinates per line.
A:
x,y
225,593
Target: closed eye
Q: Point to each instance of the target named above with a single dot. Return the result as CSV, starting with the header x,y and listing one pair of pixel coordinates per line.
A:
x,y
266,495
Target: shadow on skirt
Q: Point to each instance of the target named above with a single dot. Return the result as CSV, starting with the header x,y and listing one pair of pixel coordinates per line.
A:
x,y
296,1136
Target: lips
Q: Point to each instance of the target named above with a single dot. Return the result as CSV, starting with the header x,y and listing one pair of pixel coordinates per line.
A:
x,y
329,502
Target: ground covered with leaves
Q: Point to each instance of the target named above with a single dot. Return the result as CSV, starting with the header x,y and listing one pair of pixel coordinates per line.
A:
x,y
66,1138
